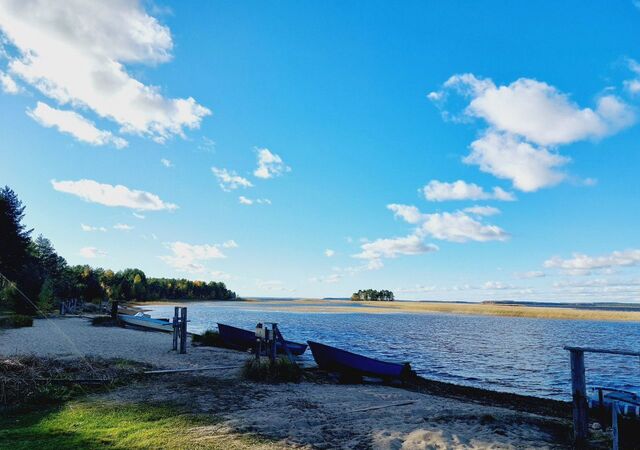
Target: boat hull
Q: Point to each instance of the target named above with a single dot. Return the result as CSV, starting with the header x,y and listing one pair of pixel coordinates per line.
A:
x,y
147,323
334,359
244,340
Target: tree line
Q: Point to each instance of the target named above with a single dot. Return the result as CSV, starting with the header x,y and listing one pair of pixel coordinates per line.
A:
x,y
33,267
373,295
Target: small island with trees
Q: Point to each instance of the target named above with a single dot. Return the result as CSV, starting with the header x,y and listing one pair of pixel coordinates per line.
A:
x,y
371,295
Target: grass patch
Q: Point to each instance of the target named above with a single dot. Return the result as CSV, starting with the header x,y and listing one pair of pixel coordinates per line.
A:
x,y
100,425
209,338
16,321
282,371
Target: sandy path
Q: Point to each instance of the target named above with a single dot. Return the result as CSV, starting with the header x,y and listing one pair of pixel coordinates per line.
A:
x,y
307,415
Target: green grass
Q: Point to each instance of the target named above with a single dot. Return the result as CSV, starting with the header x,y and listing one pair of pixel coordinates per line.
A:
x,y
114,425
209,338
282,371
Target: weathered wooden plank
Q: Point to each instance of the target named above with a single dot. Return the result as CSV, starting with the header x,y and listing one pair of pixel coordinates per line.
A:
x,y
601,350
579,394
194,369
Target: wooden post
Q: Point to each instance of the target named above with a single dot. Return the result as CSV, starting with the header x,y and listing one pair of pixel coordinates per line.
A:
x,y
175,329
614,425
183,330
579,393
278,336
114,309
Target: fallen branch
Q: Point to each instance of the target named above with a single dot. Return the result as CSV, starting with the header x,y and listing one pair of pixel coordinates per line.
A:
x,y
372,408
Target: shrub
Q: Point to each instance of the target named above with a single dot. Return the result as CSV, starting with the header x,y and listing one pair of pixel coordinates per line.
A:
x,y
209,338
16,321
281,371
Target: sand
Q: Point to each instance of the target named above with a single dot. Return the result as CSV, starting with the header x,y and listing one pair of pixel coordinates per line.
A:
x,y
303,415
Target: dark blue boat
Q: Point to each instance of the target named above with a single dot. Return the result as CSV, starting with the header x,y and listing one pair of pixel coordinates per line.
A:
x,y
244,340
334,359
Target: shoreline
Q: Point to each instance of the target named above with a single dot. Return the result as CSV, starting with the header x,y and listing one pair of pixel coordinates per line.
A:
x,y
302,415
307,305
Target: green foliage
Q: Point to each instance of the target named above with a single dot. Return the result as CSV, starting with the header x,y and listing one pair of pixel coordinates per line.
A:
x,y
16,321
46,298
209,338
282,371
46,279
373,295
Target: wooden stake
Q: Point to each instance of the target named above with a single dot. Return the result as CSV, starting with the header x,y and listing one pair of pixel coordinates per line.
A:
x,y
183,330
579,393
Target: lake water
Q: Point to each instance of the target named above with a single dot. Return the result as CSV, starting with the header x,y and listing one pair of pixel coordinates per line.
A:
x,y
517,355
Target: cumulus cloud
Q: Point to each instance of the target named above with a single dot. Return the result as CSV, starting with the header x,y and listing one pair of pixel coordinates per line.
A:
x,y
269,164
581,264
9,85
92,253
189,257
633,85
74,124
122,227
75,53
230,244
229,180
329,253
89,228
455,227
110,195
439,191
506,156
394,247
460,227
482,210
526,120
165,162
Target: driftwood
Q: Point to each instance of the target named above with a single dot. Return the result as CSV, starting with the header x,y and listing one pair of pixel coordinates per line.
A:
x,y
373,408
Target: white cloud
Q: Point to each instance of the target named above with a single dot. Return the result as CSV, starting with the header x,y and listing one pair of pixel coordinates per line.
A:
x,y
581,264
92,252
248,201
269,164
273,285
110,195
230,244
329,253
439,191
459,227
165,162
633,85
89,228
394,247
123,227
507,156
9,85
408,213
482,210
75,53
74,124
526,120
188,257
138,215
229,180
531,274
497,285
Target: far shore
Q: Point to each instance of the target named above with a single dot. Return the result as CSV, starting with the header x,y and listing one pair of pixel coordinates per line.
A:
x,y
564,312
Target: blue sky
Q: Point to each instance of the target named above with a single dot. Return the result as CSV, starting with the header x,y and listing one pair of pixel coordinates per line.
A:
x,y
444,151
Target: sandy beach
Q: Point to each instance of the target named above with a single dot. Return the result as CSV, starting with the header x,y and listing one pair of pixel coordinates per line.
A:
x,y
310,414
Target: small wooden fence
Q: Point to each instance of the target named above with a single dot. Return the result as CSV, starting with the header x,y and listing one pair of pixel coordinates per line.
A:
x,y
579,389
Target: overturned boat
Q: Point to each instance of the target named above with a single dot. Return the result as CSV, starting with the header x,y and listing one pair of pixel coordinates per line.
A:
x,y
333,359
245,339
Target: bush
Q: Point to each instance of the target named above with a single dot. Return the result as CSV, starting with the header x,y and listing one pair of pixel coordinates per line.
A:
x,y
209,338
282,371
16,321
104,321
